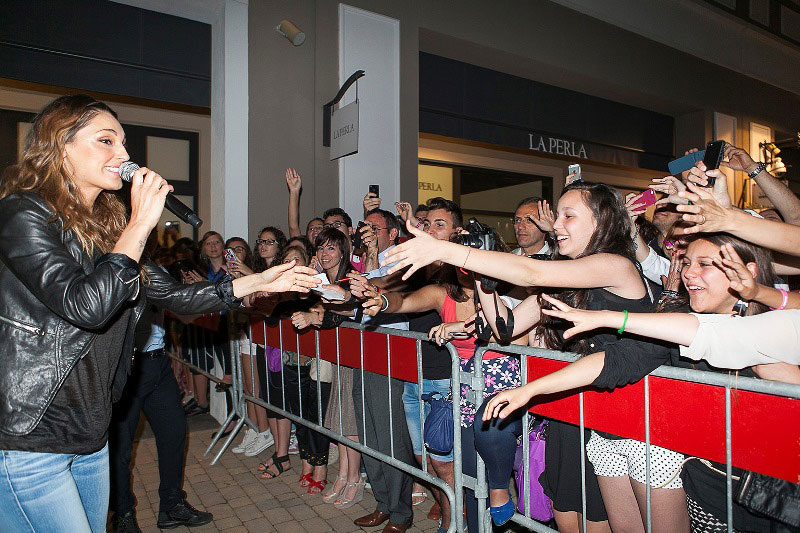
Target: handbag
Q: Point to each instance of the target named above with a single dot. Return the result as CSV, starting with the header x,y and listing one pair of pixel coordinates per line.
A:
x,y
540,506
438,432
771,497
274,358
325,370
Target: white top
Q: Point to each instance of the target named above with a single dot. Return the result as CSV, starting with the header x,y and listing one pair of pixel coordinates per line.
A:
x,y
727,341
544,250
655,266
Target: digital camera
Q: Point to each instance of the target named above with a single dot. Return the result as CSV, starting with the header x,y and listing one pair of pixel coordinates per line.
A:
x,y
477,236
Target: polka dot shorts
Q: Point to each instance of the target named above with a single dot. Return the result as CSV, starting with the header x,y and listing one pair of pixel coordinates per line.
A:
x,y
626,457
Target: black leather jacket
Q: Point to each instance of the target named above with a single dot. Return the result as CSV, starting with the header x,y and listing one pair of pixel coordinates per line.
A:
x,y
56,299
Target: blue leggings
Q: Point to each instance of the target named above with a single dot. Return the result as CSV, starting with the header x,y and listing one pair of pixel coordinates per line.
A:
x,y
496,441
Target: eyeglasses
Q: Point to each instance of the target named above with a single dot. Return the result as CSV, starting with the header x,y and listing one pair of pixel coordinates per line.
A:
x,y
240,249
375,228
259,242
337,225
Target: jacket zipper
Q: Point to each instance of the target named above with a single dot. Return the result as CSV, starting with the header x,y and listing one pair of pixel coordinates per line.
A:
x,y
20,325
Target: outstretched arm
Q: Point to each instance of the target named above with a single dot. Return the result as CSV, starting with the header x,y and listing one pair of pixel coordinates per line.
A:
x,y
784,200
581,373
709,216
597,270
294,183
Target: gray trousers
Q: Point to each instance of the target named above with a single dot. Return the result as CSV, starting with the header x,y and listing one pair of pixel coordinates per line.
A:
x,y
390,486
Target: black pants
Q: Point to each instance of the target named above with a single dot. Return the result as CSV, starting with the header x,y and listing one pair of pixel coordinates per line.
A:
x,y
313,446
151,388
390,486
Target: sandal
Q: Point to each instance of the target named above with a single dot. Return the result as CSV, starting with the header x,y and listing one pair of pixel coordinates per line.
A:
x,y
345,503
277,462
315,487
331,494
306,479
418,497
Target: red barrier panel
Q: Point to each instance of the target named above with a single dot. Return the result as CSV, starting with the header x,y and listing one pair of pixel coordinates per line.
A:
x,y
209,321
685,417
689,418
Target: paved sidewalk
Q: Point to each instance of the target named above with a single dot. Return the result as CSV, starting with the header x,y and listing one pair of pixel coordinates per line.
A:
x,y
240,501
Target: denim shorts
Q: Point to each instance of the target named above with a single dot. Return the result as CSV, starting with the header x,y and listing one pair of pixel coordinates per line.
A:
x,y
411,404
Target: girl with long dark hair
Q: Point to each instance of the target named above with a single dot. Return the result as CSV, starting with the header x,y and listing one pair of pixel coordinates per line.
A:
x,y
596,266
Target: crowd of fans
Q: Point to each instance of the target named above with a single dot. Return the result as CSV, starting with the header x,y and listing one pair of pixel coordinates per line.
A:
x,y
696,286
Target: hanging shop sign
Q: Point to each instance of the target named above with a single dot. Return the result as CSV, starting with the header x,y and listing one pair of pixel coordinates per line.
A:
x,y
340,126
344,131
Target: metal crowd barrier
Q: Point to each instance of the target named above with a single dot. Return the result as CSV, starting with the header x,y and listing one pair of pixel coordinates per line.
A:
x,y
644,411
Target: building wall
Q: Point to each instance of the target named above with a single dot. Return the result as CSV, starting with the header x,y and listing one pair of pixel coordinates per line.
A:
x,y
34,101
539,40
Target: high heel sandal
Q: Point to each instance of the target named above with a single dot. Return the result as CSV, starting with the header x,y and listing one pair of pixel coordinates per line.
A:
x,y
502,513
344,503
306,479
277,462
316,487
331,494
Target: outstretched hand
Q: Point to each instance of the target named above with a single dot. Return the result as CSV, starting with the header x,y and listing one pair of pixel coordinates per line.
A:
x,y
414,253
699,176
545,220
293,180
287,277
671,187
582,319
704,211
506,402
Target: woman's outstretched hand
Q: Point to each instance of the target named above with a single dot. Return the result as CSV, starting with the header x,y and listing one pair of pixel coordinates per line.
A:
x,y
704,211
582,319
287,277
506,402
414,253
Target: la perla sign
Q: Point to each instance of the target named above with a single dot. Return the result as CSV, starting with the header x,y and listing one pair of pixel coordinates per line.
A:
x,y
344,131
552,145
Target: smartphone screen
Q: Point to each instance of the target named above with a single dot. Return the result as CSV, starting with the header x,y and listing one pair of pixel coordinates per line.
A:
x,y
713,157
230,255
375,189
573,174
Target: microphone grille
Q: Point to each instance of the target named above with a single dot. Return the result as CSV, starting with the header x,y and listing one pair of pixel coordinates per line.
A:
x,y
127,169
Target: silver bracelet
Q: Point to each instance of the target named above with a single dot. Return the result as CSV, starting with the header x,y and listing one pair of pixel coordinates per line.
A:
x,y
760,167
385,303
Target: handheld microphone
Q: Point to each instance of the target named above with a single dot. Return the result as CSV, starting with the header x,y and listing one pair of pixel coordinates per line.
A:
x,y
180,209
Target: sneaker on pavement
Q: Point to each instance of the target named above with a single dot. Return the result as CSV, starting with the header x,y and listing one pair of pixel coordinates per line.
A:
x,y
183,514
293,449
249,436
261,442
125,523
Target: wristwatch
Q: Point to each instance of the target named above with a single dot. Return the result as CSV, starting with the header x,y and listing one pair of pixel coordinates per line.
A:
x,y
760,166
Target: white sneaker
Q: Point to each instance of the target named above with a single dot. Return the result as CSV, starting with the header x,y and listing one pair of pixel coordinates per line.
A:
x,y
293,449
249,435
260,443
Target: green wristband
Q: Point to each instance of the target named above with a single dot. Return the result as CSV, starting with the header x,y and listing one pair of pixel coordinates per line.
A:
x,y
622,329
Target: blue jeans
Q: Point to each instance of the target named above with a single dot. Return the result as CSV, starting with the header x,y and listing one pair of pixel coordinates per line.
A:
x,y
54,492
411,404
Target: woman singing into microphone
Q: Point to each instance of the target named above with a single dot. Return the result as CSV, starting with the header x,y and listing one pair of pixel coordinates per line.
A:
x,y
72,293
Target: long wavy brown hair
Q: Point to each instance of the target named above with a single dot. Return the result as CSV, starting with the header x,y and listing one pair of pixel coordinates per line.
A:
x,y
612,235
42,170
